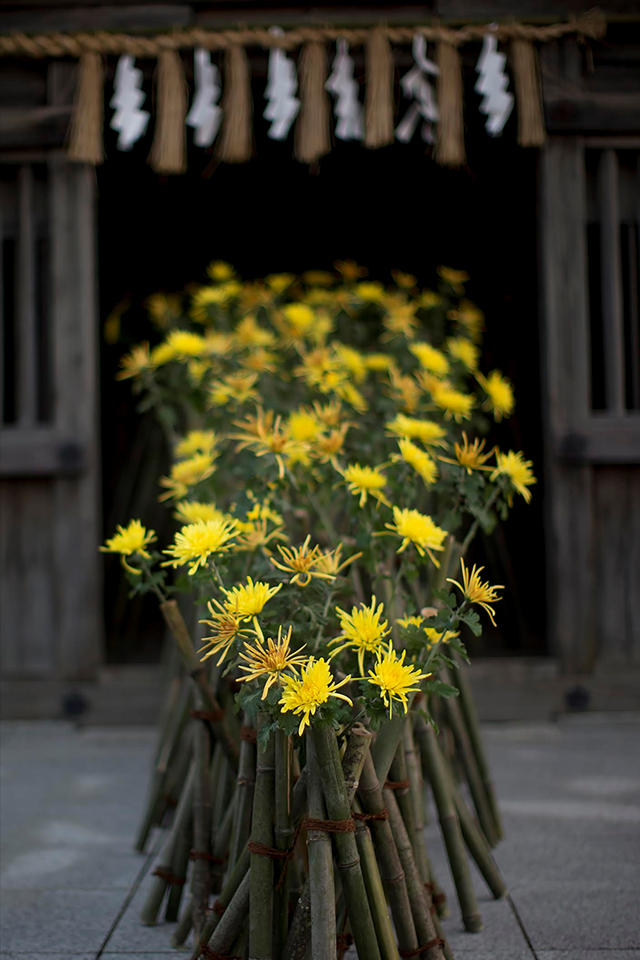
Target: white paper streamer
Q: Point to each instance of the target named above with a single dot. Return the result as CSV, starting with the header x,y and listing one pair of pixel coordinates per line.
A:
x,y
416,87
344,87
282,85
205,115
492,83
129,120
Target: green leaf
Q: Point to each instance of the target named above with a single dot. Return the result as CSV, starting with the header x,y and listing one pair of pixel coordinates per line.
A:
x,y
441,688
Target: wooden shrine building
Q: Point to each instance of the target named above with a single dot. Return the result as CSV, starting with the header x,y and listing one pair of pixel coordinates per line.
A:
x,y
548,232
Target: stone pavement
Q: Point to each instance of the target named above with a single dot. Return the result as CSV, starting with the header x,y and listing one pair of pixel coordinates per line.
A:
x,y
71,886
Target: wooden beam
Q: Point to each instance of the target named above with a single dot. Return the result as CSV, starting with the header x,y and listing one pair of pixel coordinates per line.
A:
x,y
39,453
592,113
33,127
602,440
86,17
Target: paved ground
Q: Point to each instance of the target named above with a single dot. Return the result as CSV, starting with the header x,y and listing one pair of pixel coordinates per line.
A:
x,y
72,887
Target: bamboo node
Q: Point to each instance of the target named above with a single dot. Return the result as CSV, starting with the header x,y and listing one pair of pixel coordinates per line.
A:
x,y
437,942
165,874
397,784
205,855
248,734
213,716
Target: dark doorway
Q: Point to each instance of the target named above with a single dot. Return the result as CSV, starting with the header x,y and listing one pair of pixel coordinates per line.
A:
x,y
389,208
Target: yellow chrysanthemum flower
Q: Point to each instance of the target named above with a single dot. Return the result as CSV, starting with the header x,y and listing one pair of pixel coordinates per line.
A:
x,y
362,630
196,542
418,459
260,360
413,620
191,511
186,344
395,678
413,428
353,360
304,695
500,398
406,280
130,541
186,474
279,282
469,455
255,532
302,562
249,333
419,529
365,482
370,291
331,561
430,358
235,389
351,395
455,278
517,469
429,299
297,320
471,318
318,278
206,297
196,441
136,362
455,404
264,432
464,351
226,627
330,414
400,321
350,270
161,354
327,446
163,308
378,362
269,658
475,591
405,391
436,636
303,426
247,600
220,271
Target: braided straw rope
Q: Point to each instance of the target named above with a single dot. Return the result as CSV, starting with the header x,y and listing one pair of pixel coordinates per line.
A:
x,y
592,25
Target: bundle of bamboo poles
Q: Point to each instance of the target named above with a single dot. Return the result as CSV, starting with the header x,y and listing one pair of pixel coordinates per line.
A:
x,y
317,846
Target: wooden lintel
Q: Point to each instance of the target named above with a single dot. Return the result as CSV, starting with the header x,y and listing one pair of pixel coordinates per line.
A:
x,y
603,440
34,127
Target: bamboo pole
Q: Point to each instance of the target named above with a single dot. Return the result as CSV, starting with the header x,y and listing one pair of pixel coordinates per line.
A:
x,y
477,844
469,766
225,897
244,799
201,877
356,752
450,825
179,868
472,724
158,888
283,833
322,905
375,894
418,896
261,871
198,673
338,808
416,789
391,869
156,803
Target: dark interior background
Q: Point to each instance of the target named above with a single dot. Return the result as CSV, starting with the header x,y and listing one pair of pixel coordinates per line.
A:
x,y
388,208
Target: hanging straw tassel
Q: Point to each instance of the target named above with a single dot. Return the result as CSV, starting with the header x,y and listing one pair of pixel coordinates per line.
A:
x,y
524,60
379,97
85,139
312,139
450,137
235,145
169,148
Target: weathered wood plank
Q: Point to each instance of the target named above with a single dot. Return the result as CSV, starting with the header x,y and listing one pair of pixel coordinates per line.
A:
x,y
602,439
608,197
34,127
76,524
37,610
569,519
26,308
10,578
88,17
616,497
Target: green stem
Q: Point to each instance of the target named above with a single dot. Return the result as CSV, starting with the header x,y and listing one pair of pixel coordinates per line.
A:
x,y
322,906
